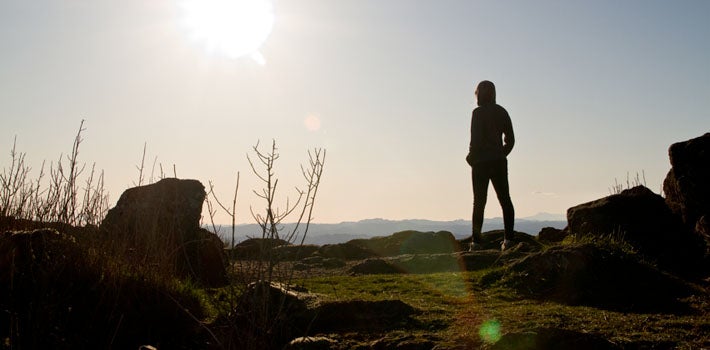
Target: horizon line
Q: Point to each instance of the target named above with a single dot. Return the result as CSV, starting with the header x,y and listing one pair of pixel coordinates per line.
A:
x,y
527,218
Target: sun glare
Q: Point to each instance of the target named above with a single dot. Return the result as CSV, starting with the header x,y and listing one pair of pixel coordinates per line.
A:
x,y
235,28
312,123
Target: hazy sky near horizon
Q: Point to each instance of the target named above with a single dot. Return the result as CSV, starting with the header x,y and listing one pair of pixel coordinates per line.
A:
x,y
596,90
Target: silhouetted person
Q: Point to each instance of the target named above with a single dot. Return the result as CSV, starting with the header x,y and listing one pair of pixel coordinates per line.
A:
x,y
492,140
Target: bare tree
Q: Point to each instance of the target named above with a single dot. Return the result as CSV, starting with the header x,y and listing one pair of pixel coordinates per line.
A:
x,y
12,183
258,315
273,216
230,211
25,198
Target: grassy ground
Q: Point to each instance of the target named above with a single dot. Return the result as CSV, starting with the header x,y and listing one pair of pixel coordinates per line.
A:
x,y
457,312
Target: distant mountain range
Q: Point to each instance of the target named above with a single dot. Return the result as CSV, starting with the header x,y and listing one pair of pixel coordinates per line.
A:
x,y
338,233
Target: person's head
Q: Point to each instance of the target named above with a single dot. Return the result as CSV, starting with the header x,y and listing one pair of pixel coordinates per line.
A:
x,y
485,93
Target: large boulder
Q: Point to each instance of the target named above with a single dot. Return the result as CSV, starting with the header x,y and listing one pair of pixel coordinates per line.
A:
x,y
687,185
598,275
205,259
641,218
159,224
170,206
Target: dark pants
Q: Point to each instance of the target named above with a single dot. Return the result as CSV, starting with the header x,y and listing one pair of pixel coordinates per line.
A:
x,y
497,172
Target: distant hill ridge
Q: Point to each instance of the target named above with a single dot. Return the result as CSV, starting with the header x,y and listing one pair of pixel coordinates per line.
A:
x,y
345,231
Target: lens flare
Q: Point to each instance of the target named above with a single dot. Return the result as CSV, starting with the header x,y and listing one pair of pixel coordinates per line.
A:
x,y
312,123
490,331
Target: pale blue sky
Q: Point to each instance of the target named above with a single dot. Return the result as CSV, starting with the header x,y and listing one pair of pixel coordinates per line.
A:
x,y
595,89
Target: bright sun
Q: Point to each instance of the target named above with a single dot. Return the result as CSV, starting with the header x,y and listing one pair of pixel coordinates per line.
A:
x,y
234,28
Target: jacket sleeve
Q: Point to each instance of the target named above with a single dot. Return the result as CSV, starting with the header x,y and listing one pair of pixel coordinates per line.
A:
x,y
469,156
508,135
472,144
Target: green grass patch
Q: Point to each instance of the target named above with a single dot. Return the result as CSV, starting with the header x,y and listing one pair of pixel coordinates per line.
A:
x,y
424,290
461,310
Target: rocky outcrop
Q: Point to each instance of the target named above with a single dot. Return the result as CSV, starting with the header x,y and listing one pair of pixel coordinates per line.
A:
x,y
267,315
594,275
294,252
641,218
687,185
270,315
205,259
350,250
160,224
169,207
637,213
28,258
85,234
255,248
493,239
551,235
56,294
401,243
408,242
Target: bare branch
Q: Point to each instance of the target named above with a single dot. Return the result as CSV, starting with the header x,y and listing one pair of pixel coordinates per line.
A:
x,y
141,167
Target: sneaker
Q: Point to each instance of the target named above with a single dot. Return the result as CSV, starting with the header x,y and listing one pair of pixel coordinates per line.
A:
x,y
505,245
474,246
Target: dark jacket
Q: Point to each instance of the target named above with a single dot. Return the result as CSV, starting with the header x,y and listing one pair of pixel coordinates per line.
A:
x,y
491,134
